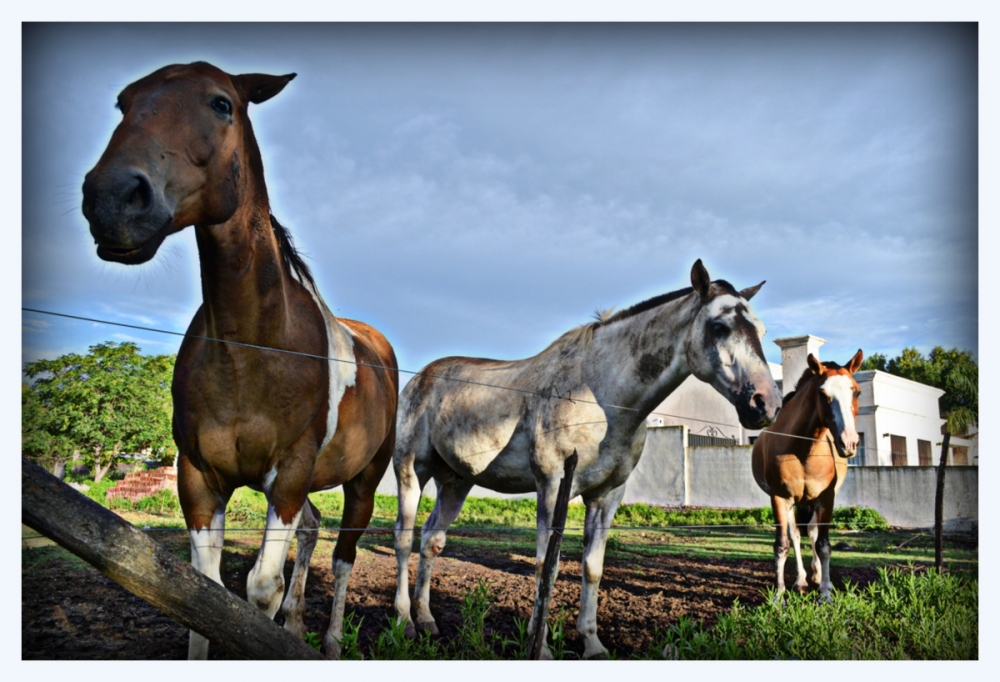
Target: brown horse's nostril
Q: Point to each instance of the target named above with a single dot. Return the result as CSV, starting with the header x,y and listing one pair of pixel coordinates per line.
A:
x,y
137,192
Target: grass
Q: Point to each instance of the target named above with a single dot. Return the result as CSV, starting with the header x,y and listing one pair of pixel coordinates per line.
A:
x,y
908,612
905,614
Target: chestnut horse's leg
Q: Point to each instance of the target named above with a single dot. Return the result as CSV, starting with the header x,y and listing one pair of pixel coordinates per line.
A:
x,y
451,493
359,503
266,581
295,601
781,509
600,514
821,547
205,516
795,526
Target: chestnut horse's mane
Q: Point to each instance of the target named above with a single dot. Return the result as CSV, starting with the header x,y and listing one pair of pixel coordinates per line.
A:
x,y
806,375
293,261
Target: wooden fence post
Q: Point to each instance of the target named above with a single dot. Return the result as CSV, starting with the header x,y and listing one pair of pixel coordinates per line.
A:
x,y
128,556
551,564
939,505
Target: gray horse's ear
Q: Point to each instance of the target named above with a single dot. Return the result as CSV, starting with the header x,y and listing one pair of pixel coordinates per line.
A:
x,y
815,365
260,87
855,362
748,293
700,280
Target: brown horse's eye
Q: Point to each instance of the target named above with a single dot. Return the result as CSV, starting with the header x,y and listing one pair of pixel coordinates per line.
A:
x,y
222,106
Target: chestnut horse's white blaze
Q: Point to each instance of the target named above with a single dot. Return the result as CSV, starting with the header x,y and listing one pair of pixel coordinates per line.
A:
x,y
288,424
801,462
517,441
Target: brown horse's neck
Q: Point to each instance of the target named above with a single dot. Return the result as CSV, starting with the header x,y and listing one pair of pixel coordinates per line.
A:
x,y
801,418
243,281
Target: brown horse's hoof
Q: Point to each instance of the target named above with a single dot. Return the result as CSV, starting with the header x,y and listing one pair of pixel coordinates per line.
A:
x,y
802,589
430,626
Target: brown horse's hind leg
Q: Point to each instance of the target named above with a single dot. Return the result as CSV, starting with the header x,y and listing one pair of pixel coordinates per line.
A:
x,y
295,602
359,502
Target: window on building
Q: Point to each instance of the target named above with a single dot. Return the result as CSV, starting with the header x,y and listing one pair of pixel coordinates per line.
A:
x,y
859,457
924,453
960,455
897,444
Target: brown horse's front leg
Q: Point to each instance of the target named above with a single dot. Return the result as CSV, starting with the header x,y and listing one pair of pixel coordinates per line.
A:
x,y
781,508
821,547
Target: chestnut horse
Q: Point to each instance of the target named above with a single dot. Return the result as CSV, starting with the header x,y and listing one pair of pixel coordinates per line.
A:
x,y
290,423
801,462
614,372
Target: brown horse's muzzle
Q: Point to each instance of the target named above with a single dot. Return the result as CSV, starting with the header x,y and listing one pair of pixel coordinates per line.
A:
x,y
128,218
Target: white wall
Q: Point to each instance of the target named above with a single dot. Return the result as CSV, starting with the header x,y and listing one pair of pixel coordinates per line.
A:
x,y
892,405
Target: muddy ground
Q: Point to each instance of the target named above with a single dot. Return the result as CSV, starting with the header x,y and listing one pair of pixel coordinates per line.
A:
x,y
70,611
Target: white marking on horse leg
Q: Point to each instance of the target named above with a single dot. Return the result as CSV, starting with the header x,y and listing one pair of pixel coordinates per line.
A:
x,y
600,513
817,568
406,518
793,529
206,555
295,603
780,554
266,582
450,498
268,481
341,575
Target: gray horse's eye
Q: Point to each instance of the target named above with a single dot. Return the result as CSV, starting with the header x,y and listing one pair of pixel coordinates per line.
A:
x,y
719,330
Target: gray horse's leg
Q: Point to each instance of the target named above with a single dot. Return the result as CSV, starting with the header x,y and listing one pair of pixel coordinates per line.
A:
x,y
451,493
410,486
600,514
306,536
547,493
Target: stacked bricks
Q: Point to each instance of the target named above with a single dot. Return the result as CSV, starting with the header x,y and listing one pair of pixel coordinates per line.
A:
x,y
140,484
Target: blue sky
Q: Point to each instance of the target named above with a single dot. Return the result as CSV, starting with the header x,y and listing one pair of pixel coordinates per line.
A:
x,y
479,189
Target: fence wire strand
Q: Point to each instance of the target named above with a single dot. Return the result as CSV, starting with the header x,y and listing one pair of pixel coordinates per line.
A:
x,y
548,396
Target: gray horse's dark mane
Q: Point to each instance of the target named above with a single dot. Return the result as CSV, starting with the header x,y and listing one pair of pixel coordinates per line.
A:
x,y
289,255
585,332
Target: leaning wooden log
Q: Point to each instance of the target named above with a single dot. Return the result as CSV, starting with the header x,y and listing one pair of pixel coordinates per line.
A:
x,y
128,556
551,565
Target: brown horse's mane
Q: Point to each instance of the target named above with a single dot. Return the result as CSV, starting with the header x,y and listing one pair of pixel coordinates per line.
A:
x,y
806,376
585,332
290,256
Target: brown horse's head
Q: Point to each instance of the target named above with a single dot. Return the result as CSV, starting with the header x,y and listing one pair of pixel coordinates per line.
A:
x,y
837,400
184,154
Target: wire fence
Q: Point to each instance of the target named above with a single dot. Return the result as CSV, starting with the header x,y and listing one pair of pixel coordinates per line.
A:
x,y
547,396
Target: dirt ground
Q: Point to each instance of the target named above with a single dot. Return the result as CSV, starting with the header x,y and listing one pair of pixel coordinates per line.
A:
x,y
70,611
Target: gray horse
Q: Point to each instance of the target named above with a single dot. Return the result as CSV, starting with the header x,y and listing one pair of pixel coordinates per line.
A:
x,y
590,391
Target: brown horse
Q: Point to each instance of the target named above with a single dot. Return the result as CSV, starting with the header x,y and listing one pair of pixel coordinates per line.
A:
x,y
801,462
286,423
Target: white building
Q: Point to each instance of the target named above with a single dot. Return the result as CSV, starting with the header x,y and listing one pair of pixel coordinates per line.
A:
x,y
899,420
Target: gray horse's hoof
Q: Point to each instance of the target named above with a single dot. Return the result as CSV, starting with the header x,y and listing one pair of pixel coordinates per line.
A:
x,y
429,626
410,631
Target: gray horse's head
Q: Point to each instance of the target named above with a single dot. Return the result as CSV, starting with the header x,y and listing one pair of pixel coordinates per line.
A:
x,y
723,349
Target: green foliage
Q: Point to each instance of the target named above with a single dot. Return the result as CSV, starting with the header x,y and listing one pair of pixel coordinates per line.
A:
x,y
903,615
955,371
313,639
859,518
110,402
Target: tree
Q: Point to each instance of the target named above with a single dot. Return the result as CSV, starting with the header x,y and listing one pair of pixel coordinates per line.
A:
x,y
110,402
955,371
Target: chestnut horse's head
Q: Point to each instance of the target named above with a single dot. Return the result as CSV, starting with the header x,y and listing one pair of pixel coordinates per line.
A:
x,y
723,349
184,154
837,400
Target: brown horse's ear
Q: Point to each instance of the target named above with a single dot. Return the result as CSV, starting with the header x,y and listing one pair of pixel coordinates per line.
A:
x,y
259,87
815,365
748,293
855,362
700,279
